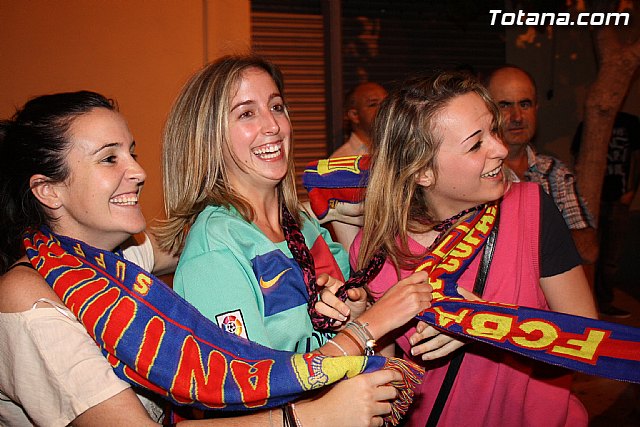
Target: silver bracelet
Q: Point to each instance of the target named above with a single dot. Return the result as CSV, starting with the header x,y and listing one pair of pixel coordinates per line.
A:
x,y
295,415
364,335
344,353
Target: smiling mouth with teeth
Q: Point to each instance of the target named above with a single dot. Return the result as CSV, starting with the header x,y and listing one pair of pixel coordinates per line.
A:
x,y
124,200
493,173
269,151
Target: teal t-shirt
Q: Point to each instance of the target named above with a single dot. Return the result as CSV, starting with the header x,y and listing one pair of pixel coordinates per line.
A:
x,y
251,286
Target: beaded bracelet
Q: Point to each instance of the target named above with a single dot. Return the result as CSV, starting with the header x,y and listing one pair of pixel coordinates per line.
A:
x,y
363,328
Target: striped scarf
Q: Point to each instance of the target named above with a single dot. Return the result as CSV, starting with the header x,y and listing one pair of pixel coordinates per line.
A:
x,y
595,347
156,340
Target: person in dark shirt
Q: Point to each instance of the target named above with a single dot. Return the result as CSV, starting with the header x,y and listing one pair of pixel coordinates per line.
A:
x,y
618,189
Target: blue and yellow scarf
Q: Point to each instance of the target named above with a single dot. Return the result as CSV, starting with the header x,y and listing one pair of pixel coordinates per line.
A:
x,y
582,344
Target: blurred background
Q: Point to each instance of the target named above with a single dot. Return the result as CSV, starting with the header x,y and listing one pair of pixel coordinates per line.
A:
x,y
141,52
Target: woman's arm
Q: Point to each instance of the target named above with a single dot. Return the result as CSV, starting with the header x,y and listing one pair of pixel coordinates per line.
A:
x,y
60,375
122,409
360,401
562,277
21,287
569,293
401,303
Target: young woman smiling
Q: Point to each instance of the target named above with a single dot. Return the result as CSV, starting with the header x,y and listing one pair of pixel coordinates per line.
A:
x,y
229,184
437,159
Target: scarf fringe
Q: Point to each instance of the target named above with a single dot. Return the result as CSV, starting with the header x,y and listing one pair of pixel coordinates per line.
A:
x,y
411,377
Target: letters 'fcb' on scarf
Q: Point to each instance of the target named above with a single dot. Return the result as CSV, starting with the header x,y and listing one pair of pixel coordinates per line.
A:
x,y
155,339
587,345
592,346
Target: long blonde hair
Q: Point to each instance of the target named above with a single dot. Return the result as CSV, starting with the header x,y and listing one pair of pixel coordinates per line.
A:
x,y
405,143
194,173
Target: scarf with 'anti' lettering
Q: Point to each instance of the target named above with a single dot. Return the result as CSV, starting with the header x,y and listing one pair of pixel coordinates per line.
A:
x,y
155,339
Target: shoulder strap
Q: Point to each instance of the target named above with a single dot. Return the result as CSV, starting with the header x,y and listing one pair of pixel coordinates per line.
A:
x,y
456,361
21,264
485,262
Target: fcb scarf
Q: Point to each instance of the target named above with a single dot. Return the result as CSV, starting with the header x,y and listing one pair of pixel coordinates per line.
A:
x,y
156,340
587,345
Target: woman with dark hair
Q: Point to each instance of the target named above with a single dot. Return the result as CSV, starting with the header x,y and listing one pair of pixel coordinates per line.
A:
x,y
67,162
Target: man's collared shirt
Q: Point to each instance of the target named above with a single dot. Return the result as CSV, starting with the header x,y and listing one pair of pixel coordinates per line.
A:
x,y
558,181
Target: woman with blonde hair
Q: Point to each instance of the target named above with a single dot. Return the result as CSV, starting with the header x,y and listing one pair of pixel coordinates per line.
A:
x,y
437,161
251,258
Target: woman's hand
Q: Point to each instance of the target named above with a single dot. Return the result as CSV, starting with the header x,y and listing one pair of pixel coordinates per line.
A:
x,y
329,305
439,344
357,301
369,397
401,303
347,213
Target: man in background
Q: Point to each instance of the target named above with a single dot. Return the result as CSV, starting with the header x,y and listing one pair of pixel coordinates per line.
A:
x,y
361,106
514,90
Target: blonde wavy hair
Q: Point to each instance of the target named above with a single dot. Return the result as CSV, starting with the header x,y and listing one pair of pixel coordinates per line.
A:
x,y
194,173
405,142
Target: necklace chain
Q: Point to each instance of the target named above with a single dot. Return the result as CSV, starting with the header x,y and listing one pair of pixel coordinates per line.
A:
x,y
447,223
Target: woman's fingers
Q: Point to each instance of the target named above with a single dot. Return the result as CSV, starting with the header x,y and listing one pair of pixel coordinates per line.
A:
x,y
385,392
383,377
401,303
357,294
468,295
446,349
329,282
432,344
331,306
417,277
423,332
328,304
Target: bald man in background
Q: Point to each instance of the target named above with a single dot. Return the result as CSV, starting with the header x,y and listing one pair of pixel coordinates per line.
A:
x,y
514,90
361,106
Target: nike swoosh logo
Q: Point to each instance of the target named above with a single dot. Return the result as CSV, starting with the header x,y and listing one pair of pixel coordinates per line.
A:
x,y
266,284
